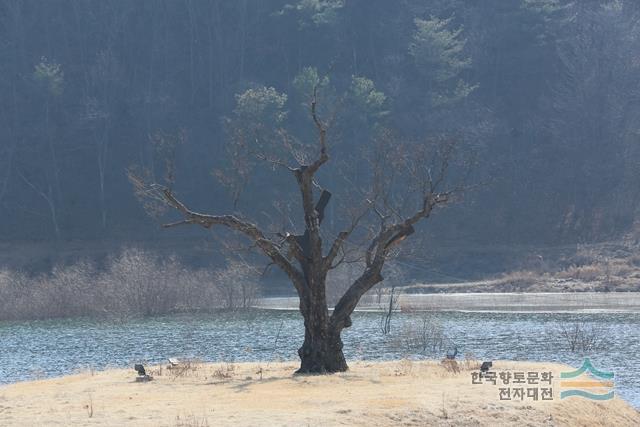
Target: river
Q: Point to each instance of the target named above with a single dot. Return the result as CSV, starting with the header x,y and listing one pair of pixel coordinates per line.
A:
x,y
57,347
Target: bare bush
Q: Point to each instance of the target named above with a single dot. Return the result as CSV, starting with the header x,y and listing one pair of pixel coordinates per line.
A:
x,y
145,285
66,289
13,290
65,292
237,285
225,372
134,282
186,368
580,336
424,334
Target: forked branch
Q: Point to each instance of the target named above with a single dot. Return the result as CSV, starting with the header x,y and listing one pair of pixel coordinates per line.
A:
x,y
251,231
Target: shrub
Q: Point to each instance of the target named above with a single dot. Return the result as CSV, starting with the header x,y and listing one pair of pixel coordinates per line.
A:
x,y
135,282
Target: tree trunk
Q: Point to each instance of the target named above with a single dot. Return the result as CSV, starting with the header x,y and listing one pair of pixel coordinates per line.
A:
x,y
321,352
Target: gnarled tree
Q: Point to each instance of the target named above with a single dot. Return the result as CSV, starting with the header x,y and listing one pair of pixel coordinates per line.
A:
x,y
406,182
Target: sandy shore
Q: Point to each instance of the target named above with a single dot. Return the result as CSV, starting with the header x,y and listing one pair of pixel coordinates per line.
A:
x,y
371,393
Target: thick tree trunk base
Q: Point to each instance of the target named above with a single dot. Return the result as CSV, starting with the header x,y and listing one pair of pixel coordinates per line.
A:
x,y
322,357
327,365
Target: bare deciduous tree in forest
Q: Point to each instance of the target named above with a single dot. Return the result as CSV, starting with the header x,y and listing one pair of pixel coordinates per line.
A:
x,y
406,182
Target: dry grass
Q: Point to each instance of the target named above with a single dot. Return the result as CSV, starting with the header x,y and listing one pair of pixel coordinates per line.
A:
x,y
186,368
471,363
584,272
590,269
382,393
521,278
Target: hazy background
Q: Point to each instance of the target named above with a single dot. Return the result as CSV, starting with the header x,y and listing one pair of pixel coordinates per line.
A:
x,y
545,92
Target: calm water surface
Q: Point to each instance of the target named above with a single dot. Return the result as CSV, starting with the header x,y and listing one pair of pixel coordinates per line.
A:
x,y
49,348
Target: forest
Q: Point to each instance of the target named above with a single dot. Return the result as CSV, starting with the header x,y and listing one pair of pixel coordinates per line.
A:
x,y
542,96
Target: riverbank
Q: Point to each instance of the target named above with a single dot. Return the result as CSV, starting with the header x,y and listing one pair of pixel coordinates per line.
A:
x,y
371,393
490,302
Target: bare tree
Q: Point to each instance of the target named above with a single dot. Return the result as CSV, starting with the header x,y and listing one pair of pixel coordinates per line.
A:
x,y
391,307
406,183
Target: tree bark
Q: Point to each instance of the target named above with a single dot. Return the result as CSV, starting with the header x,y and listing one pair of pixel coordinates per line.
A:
x,y
321,352
322,356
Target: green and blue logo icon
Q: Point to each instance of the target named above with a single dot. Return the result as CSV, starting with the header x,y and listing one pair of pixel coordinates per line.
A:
x,y
596,386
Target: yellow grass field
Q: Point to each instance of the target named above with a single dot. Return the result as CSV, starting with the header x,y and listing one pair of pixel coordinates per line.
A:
x,y
370,394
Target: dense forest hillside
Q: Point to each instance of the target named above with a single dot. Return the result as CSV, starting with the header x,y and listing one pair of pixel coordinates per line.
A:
x,y
543,94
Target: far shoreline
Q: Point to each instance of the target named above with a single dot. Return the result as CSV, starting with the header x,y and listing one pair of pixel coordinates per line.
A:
x,y
479,302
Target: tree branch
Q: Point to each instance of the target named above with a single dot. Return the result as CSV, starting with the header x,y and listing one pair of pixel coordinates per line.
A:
x,y
376,256
342,238
268,247
322,136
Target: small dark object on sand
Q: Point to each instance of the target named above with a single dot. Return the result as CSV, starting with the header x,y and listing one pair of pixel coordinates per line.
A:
x,y
142,374
485,366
